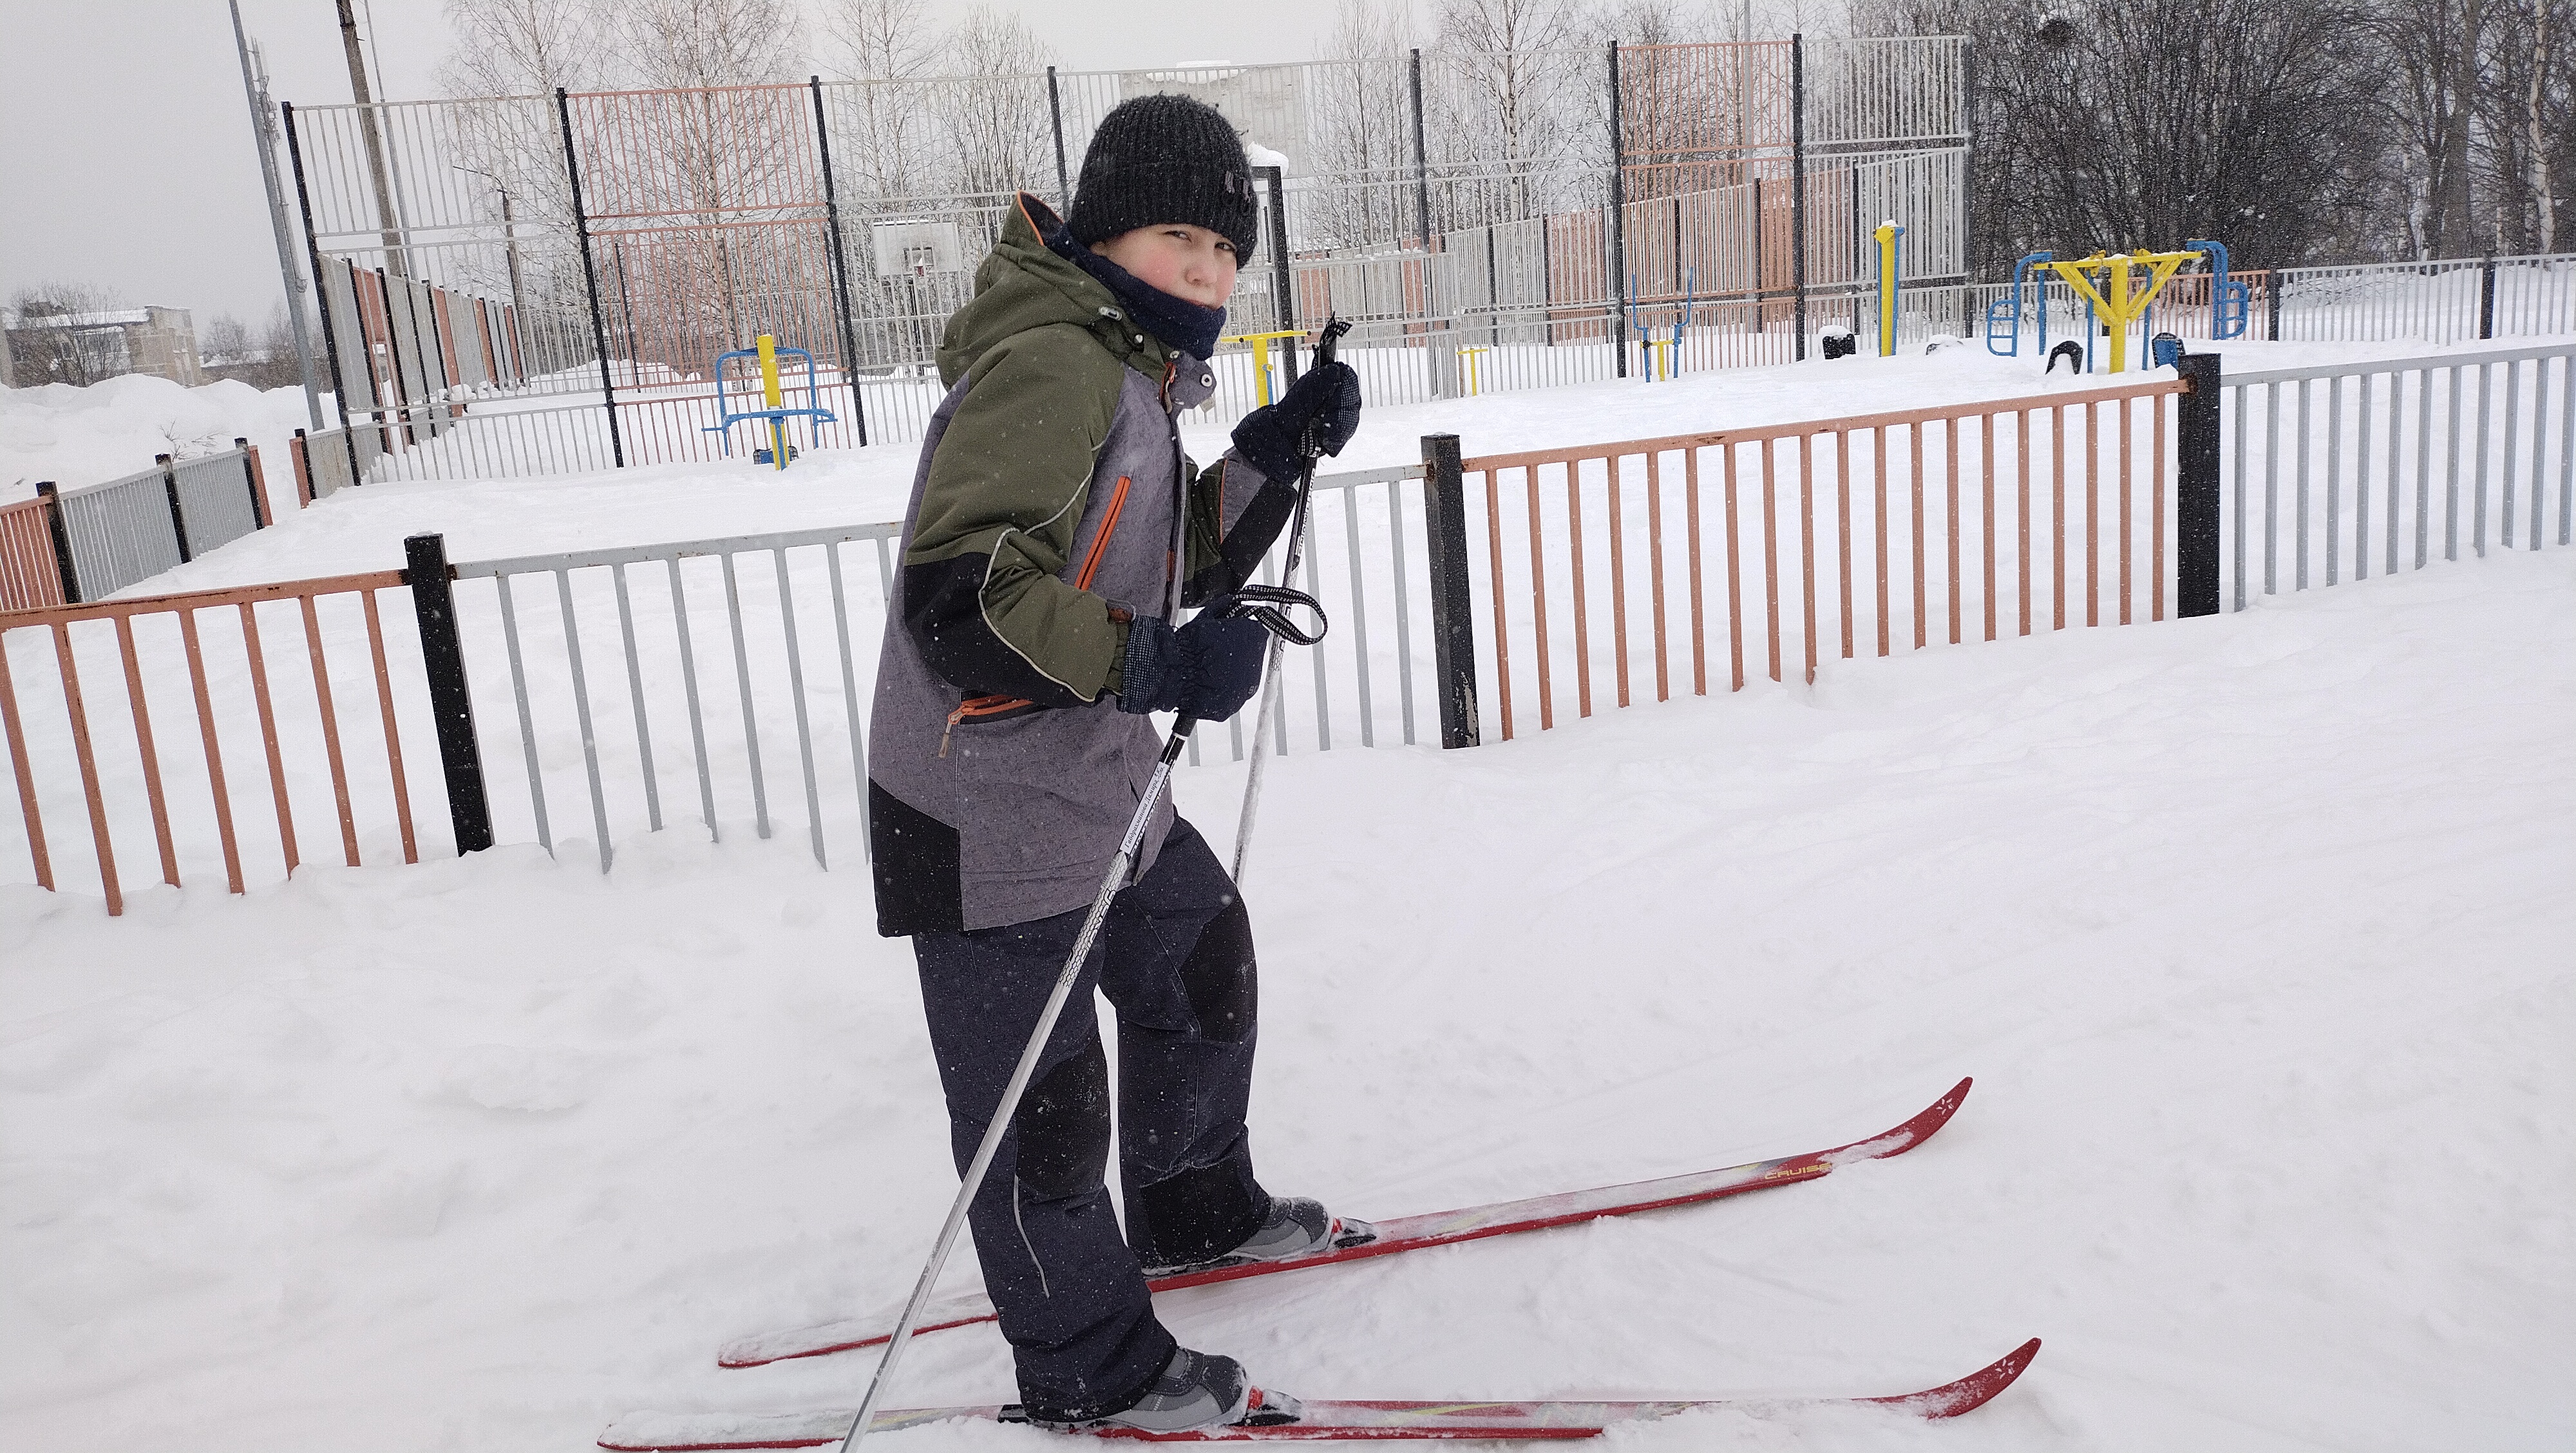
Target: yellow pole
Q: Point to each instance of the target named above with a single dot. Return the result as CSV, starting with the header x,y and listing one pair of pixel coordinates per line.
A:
x,y
1886,233
1261,367
2122,302
770,396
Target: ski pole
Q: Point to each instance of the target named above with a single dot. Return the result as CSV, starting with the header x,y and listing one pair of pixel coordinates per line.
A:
x,y
1271,686
1258,603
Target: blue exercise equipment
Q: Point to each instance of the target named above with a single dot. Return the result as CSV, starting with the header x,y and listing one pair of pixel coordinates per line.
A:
x,y
2003,315
2229,302
762,387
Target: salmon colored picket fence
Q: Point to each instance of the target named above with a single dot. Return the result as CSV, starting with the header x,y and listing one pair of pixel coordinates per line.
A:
x,y
30,573
152,638
1829,535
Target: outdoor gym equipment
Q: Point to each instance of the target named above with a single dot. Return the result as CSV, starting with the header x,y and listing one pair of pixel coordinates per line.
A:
x,y
2003,315
1661,355
1261,357
2121,299
2229,302
774,406
1887,234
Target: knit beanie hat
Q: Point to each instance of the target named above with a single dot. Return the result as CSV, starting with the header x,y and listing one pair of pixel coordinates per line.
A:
x,y
1166,158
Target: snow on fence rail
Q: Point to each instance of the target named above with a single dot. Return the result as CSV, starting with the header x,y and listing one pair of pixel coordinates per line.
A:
x,y
2092,505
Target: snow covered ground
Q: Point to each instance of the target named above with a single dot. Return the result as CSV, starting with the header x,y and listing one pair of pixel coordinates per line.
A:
x,y
81,436
2254,931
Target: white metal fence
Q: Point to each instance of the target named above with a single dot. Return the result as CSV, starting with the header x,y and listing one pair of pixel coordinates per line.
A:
x,y
128,530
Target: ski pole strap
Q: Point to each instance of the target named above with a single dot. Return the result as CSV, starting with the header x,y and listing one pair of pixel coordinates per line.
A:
x,y
1268,606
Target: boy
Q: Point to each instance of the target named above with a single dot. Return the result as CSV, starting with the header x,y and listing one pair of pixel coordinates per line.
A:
x,y
1055,534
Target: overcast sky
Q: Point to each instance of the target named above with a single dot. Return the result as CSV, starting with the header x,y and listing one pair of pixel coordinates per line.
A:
x,y
126,157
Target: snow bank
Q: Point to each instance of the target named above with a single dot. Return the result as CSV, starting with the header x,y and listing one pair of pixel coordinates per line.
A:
x,y
77,436
2253,930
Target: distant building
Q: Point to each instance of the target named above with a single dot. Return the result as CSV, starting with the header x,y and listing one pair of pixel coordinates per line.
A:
x,y
65,347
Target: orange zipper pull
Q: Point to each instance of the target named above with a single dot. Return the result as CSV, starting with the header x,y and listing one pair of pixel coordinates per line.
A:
x,y
954,717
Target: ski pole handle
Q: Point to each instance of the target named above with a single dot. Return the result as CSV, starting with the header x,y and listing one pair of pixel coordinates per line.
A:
x,y
1327,352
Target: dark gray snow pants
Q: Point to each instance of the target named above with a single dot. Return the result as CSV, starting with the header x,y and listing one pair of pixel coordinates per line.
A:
x,y
1175,960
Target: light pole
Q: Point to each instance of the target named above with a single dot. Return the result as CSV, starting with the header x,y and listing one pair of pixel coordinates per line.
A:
x,y
509,235
263,130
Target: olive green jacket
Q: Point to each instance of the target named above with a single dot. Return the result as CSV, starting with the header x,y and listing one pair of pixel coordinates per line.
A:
x,y
1052,505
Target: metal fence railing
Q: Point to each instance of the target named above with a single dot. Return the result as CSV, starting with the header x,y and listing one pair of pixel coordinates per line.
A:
x,y
1442,200
1833,536
2335,471
722,682
106,537
31,574
650,681
76,750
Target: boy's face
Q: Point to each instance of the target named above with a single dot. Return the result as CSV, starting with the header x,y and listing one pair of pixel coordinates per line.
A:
x,y
1185,261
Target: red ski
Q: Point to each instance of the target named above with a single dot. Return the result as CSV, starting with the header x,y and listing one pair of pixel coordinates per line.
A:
x,y
1297,1421
1405,1233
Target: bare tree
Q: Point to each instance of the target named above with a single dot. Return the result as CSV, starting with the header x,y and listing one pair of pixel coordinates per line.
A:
x,y
995,117
1356,99
885,46
689,43
224,339
2434,51
57,334
524,47
1510,102
2127,123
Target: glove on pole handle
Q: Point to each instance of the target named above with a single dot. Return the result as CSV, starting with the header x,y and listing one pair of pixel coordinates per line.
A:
x,y
1257,603
1326,351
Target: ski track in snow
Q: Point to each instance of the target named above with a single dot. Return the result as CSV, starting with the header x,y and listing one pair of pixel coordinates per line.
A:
x,y
2254,931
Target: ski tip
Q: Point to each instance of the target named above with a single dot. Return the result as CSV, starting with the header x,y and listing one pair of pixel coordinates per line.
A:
x,y
1969,1393
1908,1135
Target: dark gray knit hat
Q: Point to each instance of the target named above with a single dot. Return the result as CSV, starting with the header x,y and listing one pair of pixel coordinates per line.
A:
x,y
1166,158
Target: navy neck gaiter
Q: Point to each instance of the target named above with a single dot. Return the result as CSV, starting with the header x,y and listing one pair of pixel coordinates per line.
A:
x,y
1187,326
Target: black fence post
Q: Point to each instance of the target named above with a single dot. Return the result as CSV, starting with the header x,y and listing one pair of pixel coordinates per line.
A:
x,y
1453,625
1283,280
839,270
2272,304
313,254
2196,501
2486,296
1055,118
442,653
1798,186
178,517
1619,223
62,534
590,277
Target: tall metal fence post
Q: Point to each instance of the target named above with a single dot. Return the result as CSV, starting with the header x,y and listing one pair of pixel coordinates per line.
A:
x,y
1453,625
1798,186
2486,296
2196,492
178,517
62,534
1055,117
313,251
442,653
840,269
1431,322
590,276
1967,166
1619,224
2272,304
1283,280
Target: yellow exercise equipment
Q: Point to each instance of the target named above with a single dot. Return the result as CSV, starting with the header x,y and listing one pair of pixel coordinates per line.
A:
x,y
2122,297
1261,356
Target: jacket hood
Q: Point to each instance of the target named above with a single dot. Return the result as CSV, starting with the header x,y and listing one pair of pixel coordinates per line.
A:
x,y
1025,284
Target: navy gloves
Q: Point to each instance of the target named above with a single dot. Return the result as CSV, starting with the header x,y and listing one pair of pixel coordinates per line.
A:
x,y
1207,669
1325,398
